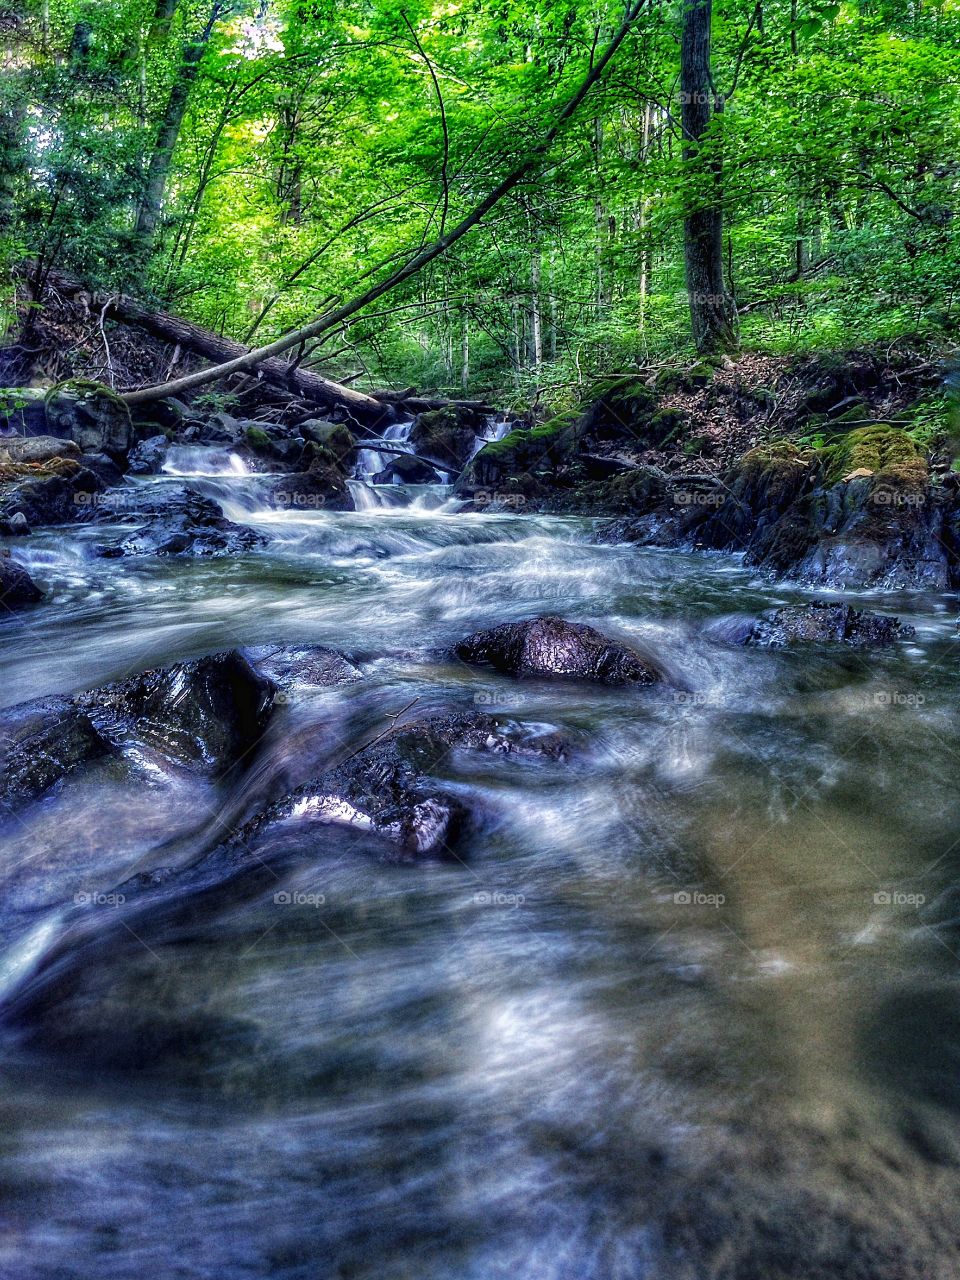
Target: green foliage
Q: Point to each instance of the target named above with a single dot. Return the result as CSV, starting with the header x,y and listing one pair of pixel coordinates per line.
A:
x,y
312,156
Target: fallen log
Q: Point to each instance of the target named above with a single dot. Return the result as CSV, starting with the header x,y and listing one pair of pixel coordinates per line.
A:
x,y
308,386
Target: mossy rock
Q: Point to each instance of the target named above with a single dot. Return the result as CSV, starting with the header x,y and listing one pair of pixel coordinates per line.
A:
x,y
879,449
621,409
665,425
333,436
258,440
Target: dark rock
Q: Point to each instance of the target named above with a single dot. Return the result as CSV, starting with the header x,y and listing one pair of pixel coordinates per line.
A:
x,y
322,487
823,623
333,436
173,522
147,458
41,742
206,715
104,468
553,648
404,469
17,588
59,491
446,436
391,787
311,664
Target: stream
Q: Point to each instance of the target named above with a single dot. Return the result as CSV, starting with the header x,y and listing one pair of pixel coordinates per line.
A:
x,y
686,1007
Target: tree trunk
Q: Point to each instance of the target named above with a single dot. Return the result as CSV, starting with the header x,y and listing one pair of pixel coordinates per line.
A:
x,y
161,158
711,308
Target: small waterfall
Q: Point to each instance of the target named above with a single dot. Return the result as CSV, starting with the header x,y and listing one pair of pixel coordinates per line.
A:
x,y
371,462
495,428
202,460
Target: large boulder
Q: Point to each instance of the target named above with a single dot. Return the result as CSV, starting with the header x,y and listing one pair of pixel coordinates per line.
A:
x,y
859,512
554,649
821,622
17,588
172,522
405,469
206,715
543,448
322,485
40,743
92,415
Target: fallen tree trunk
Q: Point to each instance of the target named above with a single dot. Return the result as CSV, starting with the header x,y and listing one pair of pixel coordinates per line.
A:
x,y
308,386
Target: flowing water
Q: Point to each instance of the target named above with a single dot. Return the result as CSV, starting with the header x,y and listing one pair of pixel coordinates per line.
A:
x,y
686,1007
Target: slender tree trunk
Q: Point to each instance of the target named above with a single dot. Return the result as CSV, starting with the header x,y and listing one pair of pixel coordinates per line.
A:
x,y
465,352
536,316
711,309
161,158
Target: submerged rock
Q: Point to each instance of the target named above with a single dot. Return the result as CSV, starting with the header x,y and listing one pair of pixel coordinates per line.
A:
x,y
17,588
311,664
206,715
553,648
390,787
824,623
41,742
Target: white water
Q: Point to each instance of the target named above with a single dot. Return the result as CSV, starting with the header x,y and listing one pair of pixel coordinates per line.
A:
x,y
201,460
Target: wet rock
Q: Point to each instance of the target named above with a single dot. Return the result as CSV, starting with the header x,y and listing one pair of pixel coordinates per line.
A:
x,y
313,664
545,448
147,458
391,787
206,715
40,743
334,436
36,449
17,588
15,526
176,522
824,623
555,649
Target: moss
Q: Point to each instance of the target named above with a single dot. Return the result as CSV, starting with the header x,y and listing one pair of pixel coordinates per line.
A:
x,y
878,449
84,389
665,424
258,440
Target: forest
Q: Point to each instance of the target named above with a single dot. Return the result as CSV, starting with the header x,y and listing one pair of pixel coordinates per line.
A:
x,y
479,619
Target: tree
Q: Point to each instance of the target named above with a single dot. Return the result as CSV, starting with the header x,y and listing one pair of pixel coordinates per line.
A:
x,y
712,314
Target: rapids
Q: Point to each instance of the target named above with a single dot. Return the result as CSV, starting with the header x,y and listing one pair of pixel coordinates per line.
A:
x,y
687,1007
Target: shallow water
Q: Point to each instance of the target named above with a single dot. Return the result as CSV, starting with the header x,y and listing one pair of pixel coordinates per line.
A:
x,y
687,1006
